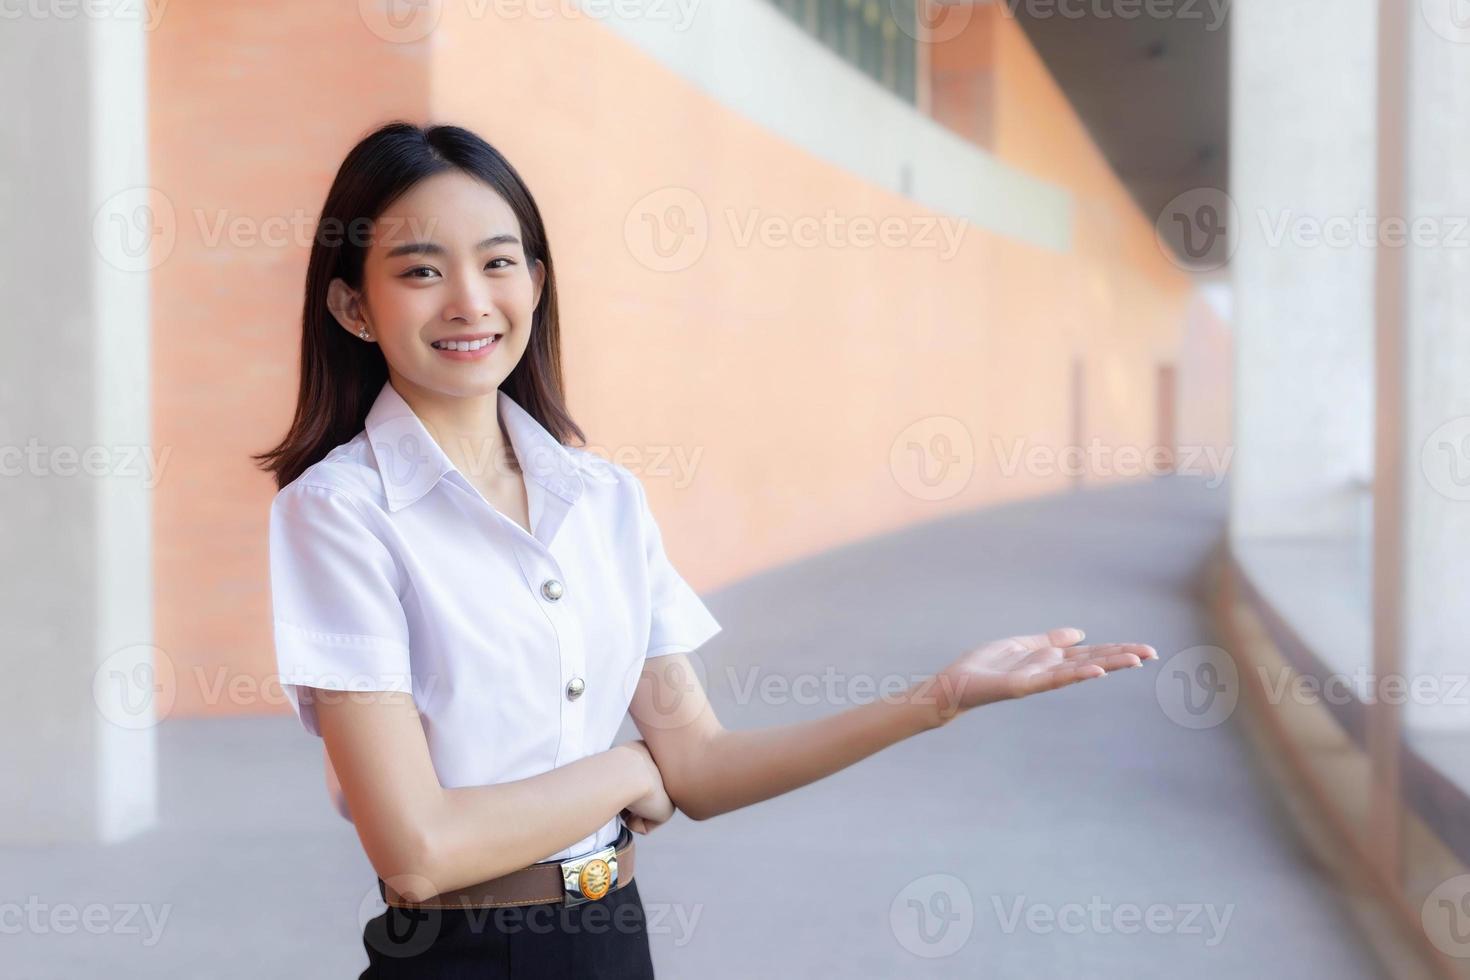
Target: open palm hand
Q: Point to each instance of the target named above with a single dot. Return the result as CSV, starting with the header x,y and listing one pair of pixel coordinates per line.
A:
x,y
1020,665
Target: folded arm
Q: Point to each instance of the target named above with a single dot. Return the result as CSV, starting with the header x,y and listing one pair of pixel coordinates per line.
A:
x,y
425,839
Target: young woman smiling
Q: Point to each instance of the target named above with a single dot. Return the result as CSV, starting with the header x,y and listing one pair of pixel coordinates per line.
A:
x,y
466,604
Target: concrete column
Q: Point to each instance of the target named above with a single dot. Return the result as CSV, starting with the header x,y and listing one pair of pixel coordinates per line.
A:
x,y
77,752
1436,389
1302,180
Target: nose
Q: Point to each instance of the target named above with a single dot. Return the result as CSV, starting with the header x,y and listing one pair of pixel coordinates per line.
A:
x,y
472,300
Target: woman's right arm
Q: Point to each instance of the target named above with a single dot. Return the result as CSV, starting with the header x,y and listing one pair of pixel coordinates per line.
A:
x,y
424,839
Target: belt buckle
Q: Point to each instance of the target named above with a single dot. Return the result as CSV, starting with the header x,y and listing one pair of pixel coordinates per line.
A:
x,y
589,877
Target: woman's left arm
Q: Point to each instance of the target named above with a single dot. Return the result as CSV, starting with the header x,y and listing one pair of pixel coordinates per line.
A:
x,y
708,769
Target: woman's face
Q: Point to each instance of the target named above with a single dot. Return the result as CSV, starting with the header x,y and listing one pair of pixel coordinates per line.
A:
x,y
445,262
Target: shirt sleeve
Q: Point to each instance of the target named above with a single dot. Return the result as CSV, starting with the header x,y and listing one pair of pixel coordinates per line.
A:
x,y
680,621
337,617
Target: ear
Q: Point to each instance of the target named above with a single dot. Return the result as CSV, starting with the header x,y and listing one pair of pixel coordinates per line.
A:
x,y
346,305
538,280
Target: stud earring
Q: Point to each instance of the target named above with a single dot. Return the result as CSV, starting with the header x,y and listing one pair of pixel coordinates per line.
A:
x,y
362,332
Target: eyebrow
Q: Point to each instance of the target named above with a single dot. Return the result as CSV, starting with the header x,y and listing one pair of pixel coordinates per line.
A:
x,y
430,248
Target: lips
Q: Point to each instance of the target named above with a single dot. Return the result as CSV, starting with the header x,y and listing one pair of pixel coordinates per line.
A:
x,y
465,342
467,350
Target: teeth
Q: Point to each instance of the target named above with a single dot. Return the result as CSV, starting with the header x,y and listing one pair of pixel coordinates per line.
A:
x,y
463,344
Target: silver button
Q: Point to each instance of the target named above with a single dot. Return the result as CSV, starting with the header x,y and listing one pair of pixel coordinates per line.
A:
x,y
575,687
551,589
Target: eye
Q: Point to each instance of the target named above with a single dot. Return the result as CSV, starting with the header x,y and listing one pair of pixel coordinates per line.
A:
x,y
507,262
418,268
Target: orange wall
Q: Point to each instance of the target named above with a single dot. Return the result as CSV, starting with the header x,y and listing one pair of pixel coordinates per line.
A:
x,y
252,108
790,370
1125,299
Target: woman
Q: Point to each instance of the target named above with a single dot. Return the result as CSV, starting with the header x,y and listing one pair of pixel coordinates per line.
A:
x,y
466,605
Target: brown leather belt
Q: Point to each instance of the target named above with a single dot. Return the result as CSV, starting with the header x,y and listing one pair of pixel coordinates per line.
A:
x,y
585,878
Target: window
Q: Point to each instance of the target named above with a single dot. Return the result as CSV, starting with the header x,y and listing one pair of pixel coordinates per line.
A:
x,y
875,36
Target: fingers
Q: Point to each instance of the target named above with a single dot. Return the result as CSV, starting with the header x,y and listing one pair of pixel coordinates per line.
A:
x,y
1140,650
1061,676
1120,659
1064,637
1089,662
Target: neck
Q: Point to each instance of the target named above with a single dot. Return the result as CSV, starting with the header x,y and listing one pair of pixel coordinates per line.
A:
x,y
466,427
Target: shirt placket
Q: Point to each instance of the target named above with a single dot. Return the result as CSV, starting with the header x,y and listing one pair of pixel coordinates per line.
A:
x,y
560,599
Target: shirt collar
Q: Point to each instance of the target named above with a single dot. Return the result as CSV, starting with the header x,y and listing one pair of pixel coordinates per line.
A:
x,y
411,463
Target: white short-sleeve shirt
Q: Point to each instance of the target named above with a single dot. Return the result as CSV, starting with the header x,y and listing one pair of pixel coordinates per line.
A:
x,y
390,571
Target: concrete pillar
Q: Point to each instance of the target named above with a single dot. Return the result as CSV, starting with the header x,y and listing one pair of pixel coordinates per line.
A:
x,y
77,753
1302,180
1436,389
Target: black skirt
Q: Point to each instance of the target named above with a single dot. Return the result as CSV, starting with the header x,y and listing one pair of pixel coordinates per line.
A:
x,y
607,938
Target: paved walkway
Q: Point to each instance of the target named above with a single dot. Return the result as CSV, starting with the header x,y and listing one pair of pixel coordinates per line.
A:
x,y
1078,834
